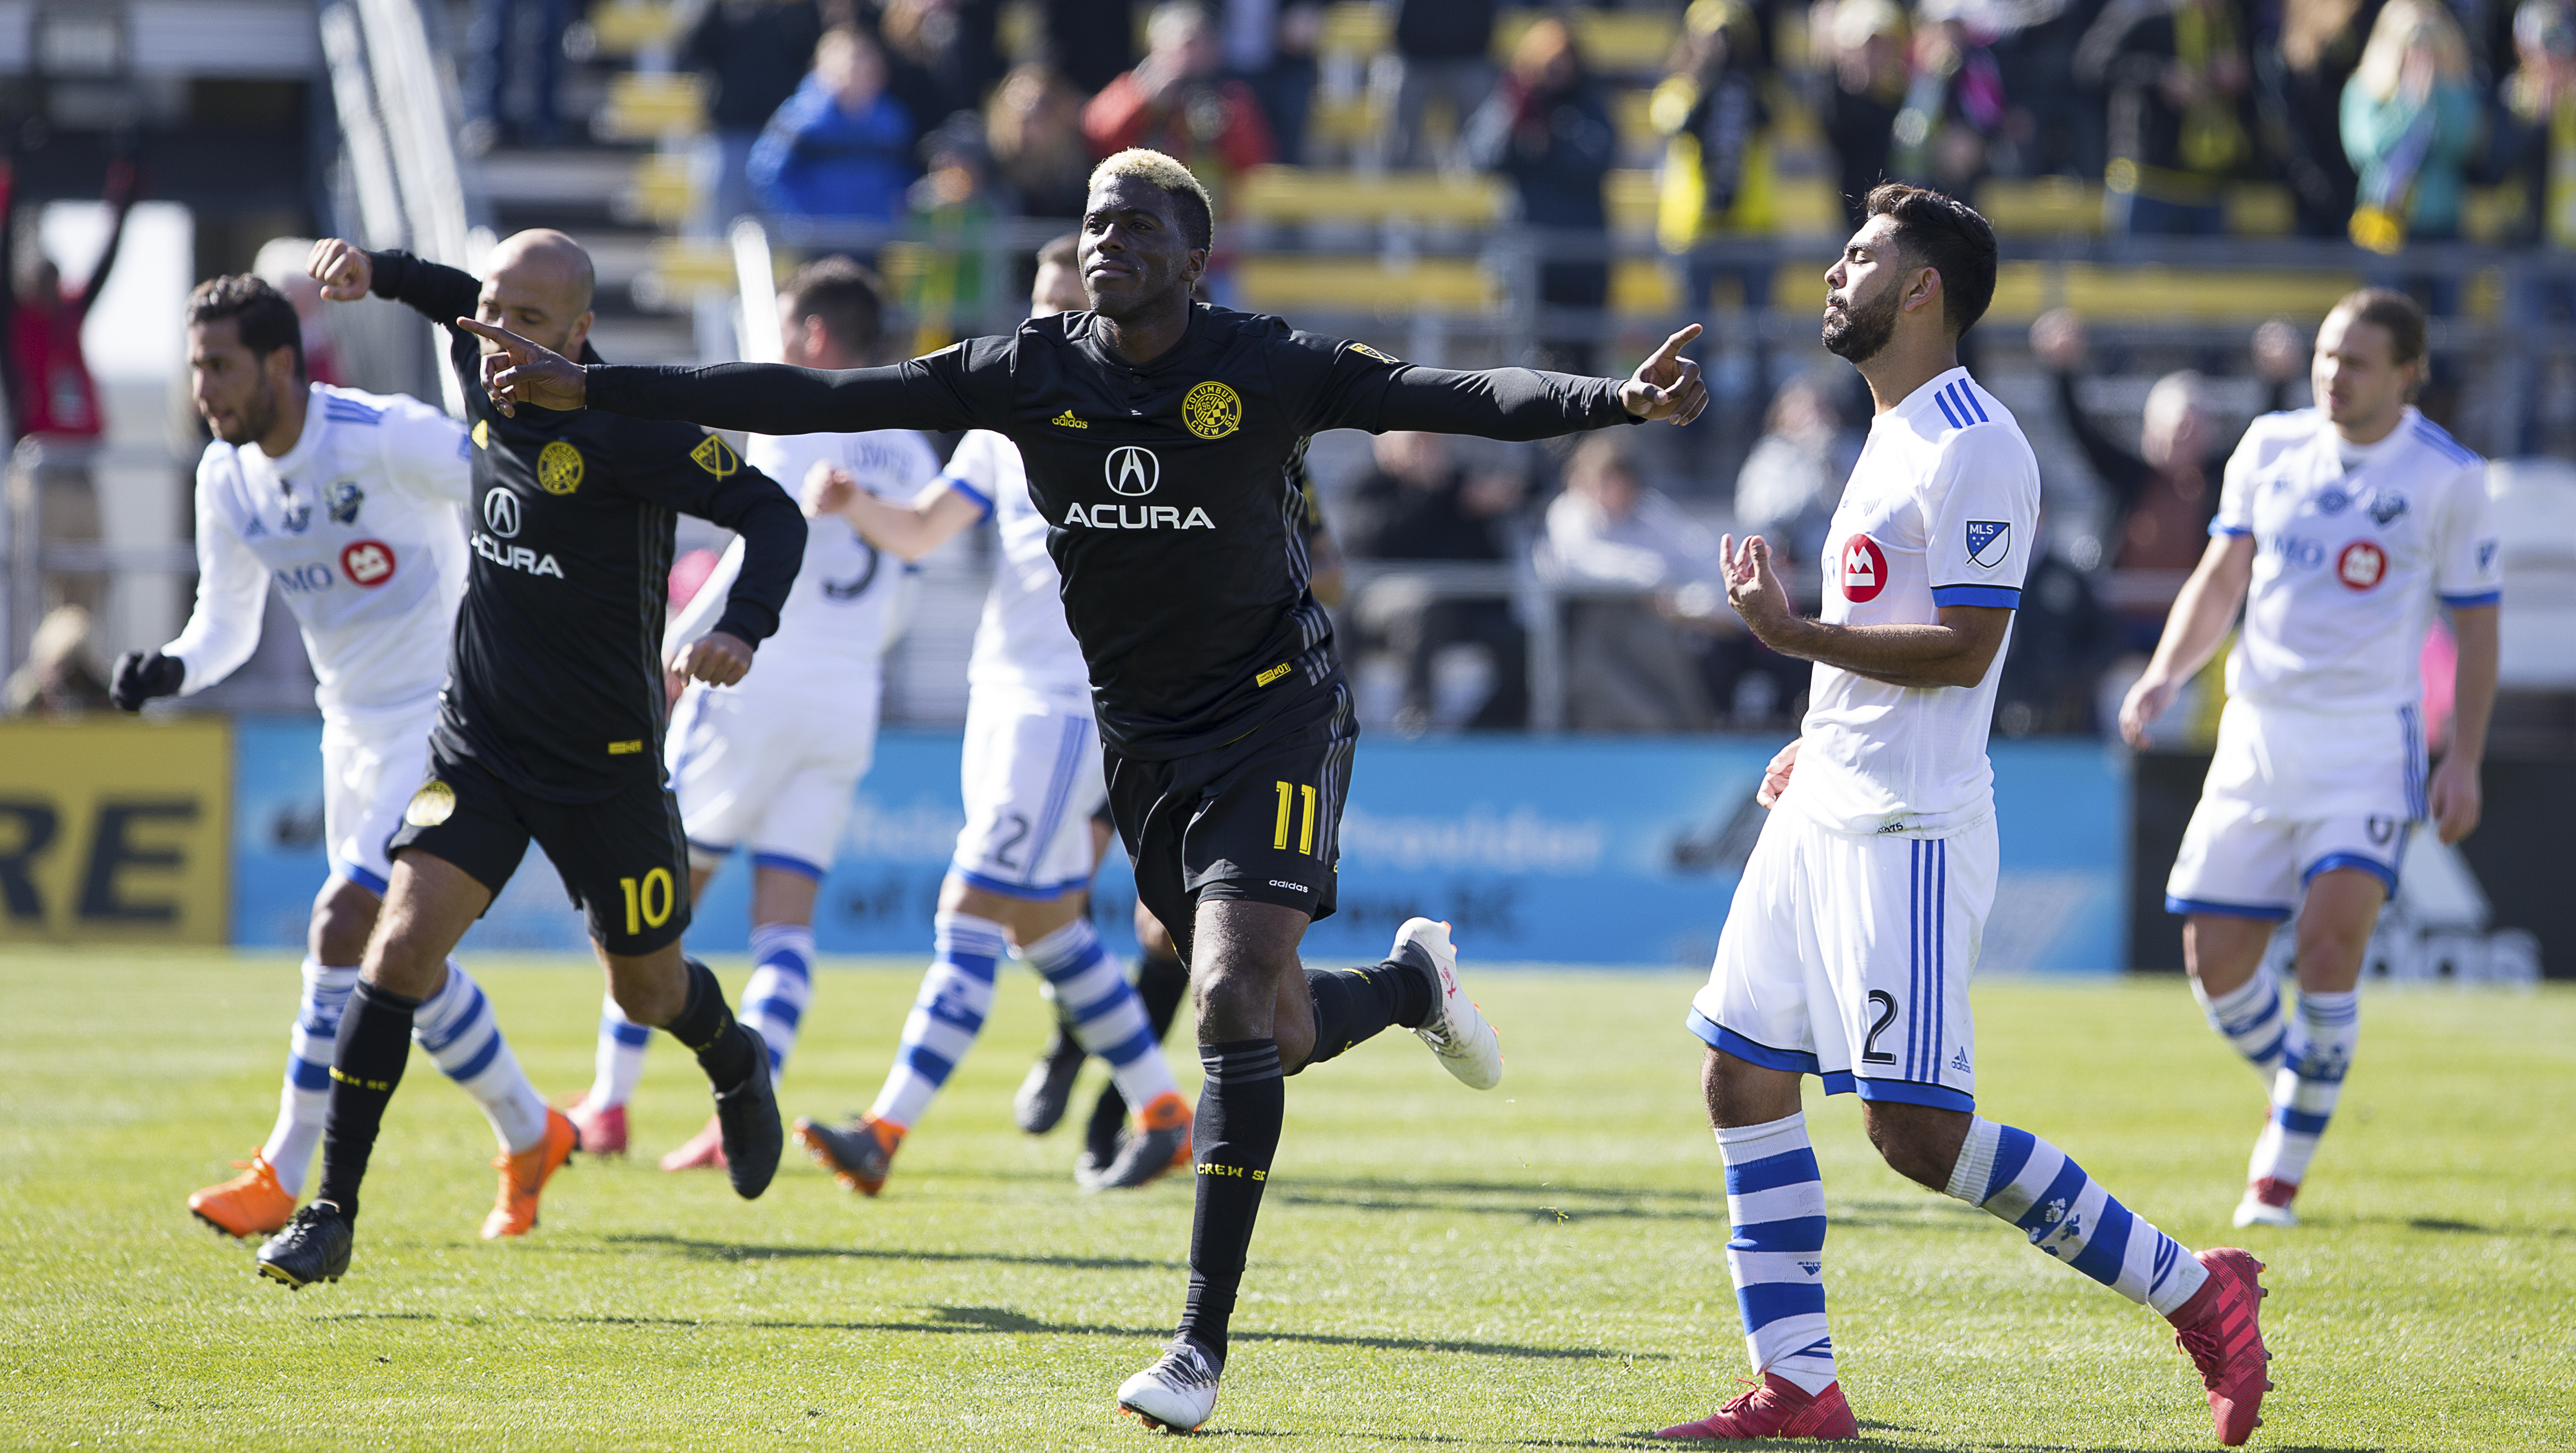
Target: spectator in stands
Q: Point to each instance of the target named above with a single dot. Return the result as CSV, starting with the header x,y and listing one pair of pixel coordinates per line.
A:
x,y
952,210
1716,178
1954,112
2062,642
2165,492
751,54
1866,54
1439,58
51,392
1088,42
1792,482
2411,116
1033,126
2301,73
525,37
1269,45
280,264
1629,665
2536,125
840,147
1547,128
1417,504
940,54
1178,101
61,676
2179,87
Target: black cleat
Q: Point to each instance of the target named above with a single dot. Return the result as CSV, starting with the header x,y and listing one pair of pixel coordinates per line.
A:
x,y
1141,1158
748,1116
313,1247
1043,1096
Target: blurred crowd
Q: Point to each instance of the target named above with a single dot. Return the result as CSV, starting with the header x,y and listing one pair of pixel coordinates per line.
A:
x,y
2379,117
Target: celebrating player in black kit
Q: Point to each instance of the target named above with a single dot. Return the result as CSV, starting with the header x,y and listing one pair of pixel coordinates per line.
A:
x,y
1157,434
550,727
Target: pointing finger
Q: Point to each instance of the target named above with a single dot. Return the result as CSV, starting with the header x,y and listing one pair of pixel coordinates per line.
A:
x,y
1673,346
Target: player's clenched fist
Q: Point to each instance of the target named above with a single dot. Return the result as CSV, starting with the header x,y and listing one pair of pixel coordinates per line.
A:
x,y
342,268
716,659
827,489
516,371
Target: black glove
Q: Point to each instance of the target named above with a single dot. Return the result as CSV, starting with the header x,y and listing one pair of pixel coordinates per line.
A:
x,y
141,676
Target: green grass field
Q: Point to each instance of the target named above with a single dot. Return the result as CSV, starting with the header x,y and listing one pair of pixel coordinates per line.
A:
x,y
1542,1266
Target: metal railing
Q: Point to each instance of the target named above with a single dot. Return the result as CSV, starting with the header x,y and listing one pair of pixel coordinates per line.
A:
x,y
27,557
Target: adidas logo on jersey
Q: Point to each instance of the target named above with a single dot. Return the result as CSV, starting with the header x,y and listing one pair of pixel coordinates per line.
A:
x,y
1137,517
1066,420
515,557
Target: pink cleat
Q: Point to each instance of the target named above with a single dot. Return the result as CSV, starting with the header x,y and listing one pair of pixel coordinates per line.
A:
x,y
603,1131
702,1151
2221,1327
1777,1408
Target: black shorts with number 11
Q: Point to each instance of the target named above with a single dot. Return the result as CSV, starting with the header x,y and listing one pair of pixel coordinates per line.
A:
x,y
622,858
1258,819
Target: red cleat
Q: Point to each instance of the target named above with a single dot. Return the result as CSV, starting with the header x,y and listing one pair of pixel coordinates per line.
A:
x,y
2221,1327
602,1130
1777,1408
702,1151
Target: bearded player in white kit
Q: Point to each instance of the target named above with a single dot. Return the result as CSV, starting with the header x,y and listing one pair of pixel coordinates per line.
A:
x,y
1033,786
349,503
2340,528
768,764
1852,936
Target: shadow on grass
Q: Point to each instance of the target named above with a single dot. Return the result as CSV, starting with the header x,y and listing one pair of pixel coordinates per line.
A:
x,y
1560,1204
2466,1228
741,1251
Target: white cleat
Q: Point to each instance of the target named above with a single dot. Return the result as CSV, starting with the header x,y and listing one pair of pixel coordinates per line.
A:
x,y
1455,1031
2255,1211
1175,1395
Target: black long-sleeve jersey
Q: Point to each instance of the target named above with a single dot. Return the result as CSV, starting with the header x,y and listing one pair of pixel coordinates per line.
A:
x,y
554,677
1170,486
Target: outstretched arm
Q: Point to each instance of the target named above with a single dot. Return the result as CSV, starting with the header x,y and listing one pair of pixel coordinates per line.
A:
x,y
349,273
123,181
907,531
1524,403
758,398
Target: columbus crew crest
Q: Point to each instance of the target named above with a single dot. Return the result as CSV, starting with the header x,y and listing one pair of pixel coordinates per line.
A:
x,y
715,457
1212,410
433,804
559,468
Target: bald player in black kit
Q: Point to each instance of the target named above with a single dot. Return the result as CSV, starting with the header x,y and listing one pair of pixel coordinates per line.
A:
x,y
550,726
1158,435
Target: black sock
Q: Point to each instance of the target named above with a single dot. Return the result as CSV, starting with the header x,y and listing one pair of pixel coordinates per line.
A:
x,y
1354,1005
1162,981
1237,1132
706,1026
366,1063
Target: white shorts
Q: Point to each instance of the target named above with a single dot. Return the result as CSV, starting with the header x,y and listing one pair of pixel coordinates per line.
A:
x,y
2291,794
1032,780
371,766
1849,958
768,775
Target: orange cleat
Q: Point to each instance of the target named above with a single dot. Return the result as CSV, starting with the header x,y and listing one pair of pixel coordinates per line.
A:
x,y
525,1174
2222,1328
250,1204
702,1151
859,1156
1777,1408
602,1130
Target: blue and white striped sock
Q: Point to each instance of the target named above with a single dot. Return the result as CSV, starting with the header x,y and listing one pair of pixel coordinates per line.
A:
x,y
955,996
2249,1018
2067,1214
455,1025
782,982
1775,1200
1093,995
619,1062
307,1093
2308,1085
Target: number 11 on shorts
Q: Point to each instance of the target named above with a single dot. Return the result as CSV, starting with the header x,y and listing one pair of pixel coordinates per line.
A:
x,y
1290,795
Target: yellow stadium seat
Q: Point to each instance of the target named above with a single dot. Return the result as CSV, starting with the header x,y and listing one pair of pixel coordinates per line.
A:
x,y
1305,194
688,265
1446,284
2041,206
662,191
2150,294
1617,42
644,106
623,27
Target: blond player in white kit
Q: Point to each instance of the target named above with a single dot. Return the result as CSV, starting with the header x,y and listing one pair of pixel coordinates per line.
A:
x,y
1852,936
2341,528
348,504
1032,782
768,765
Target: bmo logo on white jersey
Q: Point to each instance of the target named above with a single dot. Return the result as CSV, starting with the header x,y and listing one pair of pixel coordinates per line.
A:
x,y
2363,564
368,562
1863,570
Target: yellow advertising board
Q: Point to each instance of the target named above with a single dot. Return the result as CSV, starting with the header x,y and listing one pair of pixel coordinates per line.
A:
x,y
114,829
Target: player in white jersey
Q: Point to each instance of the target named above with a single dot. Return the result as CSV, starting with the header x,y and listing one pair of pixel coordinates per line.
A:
x,y
1851,939
1033,785
2340,529
768,765
347,503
